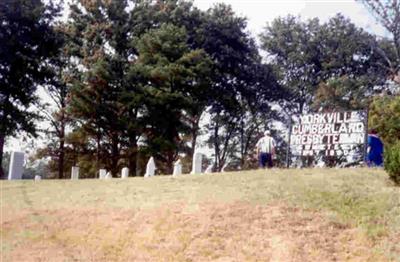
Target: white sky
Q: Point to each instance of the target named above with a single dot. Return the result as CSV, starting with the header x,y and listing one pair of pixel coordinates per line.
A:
x,y
258,13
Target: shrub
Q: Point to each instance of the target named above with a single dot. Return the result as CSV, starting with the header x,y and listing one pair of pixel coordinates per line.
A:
x,y
392,162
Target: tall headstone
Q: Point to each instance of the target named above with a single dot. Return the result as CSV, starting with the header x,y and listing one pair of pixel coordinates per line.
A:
x,y
102,173
196,163
177,168
224,166
108,175
209,169
16,166
150,168
125,172
75,172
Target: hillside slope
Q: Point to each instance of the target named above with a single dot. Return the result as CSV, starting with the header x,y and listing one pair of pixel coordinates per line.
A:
x,y
272,215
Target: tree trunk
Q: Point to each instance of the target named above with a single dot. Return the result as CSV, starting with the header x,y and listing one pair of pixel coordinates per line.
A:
x,y
194,137
195,128
138,170
2,139
98,150
242,144
132,155
170,162
216,145
61,159
114,154
61,152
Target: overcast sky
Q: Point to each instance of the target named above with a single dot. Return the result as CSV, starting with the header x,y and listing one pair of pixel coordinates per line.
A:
x,y
259,12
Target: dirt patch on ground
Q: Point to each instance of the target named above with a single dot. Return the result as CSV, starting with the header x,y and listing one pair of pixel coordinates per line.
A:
x,y
177,232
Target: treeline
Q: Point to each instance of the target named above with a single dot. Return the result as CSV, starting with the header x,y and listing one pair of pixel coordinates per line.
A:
x,y
130,79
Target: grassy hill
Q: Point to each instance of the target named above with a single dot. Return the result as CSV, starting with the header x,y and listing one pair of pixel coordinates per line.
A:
x,y
273,215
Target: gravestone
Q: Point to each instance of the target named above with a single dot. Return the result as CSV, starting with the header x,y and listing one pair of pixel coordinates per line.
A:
x,y
108,176
75,172
209,169
16,165
196,163
177,168
102,173
225,166
37,178
125,172
150,168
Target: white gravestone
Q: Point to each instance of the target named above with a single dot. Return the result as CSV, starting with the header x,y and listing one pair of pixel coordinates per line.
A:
x,y
75,172
37,178
177,168
209,169
108,176
102,173
150,168
196,164
225,166
125,172
16,166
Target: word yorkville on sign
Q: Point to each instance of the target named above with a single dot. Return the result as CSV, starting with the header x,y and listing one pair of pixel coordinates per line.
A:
x,y
329,134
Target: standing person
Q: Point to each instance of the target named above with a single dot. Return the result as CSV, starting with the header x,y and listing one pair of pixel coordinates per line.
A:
x,y
265,150
375,149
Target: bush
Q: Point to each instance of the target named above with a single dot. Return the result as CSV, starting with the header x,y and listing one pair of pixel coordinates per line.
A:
x,y
392,162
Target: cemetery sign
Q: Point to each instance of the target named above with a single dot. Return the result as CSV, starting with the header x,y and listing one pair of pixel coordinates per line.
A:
x,y
328,134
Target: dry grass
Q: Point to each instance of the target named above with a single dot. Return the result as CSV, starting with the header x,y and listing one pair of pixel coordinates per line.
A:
x,y
288,215
223,232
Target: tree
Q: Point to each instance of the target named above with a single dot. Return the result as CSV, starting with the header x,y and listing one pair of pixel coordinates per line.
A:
x,y
239,81
58,91
127,81
172,78
27,42
312,57
387,12
235,129
384,116
99,45
224,37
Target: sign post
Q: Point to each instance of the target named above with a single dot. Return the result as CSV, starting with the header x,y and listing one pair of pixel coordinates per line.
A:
x,y
366,135
288,145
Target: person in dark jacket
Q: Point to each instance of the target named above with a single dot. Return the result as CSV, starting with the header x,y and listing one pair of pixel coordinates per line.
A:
x,y
375,149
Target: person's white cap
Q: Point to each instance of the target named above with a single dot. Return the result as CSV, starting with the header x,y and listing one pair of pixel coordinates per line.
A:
x,y
267,132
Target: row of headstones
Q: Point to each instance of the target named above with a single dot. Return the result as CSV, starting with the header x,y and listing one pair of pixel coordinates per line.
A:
x,y
17,163
151,168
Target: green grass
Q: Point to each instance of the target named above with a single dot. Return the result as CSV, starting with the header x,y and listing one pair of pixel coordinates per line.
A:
x,y
363,198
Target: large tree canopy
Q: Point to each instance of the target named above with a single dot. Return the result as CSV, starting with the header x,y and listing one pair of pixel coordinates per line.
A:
x,y
317,60
27,42
387,12
144,73
174,79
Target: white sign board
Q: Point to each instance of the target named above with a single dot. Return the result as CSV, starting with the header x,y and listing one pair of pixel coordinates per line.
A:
x,y
328,134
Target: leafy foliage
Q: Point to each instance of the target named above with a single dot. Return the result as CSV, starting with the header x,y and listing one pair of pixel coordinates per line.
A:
x,y
315,61
384,116
173,78
387,12
392,161
141,77
27,42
